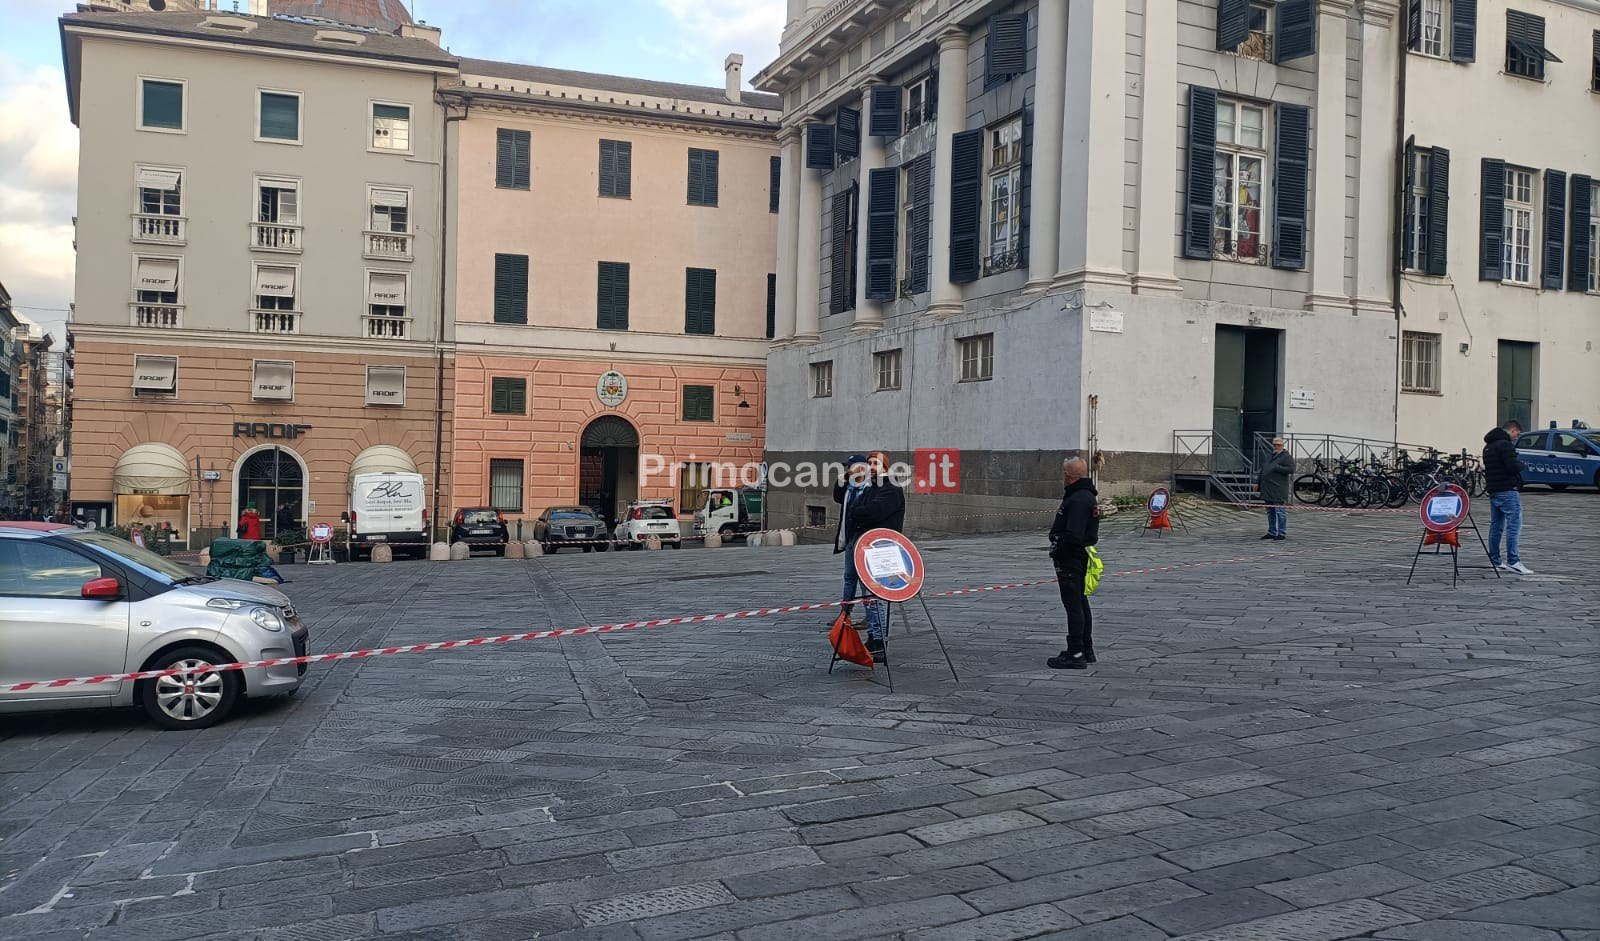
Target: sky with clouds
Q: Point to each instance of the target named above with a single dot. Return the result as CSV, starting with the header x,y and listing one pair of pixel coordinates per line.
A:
x,y
667,40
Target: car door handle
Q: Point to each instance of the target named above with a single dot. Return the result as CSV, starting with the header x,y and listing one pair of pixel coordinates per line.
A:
x,y
145,623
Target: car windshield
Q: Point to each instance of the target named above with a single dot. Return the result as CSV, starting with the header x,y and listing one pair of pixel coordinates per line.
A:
x,y
655,513
479,517
122,549
1593,437
582,516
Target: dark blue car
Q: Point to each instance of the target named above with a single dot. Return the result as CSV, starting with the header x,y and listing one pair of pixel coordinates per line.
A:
x,y
1560,457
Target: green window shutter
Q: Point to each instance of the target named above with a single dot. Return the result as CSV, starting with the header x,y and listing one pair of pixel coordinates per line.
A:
x,y
712,159
1578,248
612,298
847,139
774,183
819,147
1438,211
921,187
163,105
1024,214
883,111
1006,51
698,403
1491,220
512,149
1555,229
280,116
1297,29
883,211
839,253
1233,24
1464,33
500,396
700,301
966,205
772,305
702,177
1289,187
616,168
511,289
1414,25
519,396
1200,186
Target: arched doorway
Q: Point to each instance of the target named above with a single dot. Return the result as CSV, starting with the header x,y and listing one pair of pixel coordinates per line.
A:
x,y
273,479
608,467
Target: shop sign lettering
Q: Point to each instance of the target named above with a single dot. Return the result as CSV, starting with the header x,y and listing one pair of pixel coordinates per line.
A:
x,y
244,429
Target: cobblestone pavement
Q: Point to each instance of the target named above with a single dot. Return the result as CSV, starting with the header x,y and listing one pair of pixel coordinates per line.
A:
x,y
1288,745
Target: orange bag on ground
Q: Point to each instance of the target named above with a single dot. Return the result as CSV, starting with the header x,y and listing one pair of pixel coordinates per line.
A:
x,y
847,643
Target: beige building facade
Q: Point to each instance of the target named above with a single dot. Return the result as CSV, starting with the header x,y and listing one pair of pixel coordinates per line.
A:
x,y
260,241
613,284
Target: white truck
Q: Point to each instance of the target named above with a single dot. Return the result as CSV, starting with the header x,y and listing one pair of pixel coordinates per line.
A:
x,y
731,513
388,508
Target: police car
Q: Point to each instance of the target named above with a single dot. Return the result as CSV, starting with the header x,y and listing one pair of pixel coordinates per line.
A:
x,y
1561,457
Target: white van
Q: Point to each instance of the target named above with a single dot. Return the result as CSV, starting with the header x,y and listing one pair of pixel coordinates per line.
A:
x,y
390,508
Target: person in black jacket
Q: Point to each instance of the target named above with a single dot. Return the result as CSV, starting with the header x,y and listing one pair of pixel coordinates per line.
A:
x,y
879,504
1502,472
1274,482
1076,527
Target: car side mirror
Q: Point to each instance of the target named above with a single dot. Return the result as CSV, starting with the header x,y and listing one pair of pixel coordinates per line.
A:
x,y
344,517
104,589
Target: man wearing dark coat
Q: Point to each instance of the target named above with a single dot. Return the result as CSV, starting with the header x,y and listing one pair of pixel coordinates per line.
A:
x,y
1274,483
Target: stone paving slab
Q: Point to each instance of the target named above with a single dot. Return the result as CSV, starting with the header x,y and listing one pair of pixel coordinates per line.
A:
x,y
1282,741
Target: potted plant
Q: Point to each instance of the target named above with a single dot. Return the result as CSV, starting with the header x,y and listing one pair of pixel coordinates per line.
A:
x,y
288,542
341,544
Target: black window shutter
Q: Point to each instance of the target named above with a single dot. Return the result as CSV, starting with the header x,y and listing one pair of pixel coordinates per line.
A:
x,y
1578,248
1414,25
966,206
518,396
612,297
883,116
774,182
1595,79
819,147
505,156
1491,219
608,169
511,289
700,301
697,177
921,221
1297,29
1006,53
1464,38
772,306
518,173
712,159
1026,196
1408,205
622,169
1233,23
883,211
847,139
1555,228
1438,211
839,251
1289,187
500,398
1200,187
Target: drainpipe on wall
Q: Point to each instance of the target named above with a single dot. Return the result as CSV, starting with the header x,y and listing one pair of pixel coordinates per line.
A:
x,y
438,337
1397,255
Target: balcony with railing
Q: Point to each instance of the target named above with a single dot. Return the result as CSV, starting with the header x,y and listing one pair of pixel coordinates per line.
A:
x,y
161,316
160,229
384,327
388,246
274,237
275,321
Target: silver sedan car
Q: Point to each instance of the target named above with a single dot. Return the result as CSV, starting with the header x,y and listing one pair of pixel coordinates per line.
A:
x,y
77,603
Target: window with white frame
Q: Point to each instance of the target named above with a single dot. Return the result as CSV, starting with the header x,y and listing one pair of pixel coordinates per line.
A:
x,y
1240,182
390,210
155,280
921,100
977,357
391,127
1434,23
1005,195
278,202
1258,45
822,379
1594,237
275,287
1416,247
1516,264
278,116
386,293
505,484
1419,362
162,104
160,191
886,365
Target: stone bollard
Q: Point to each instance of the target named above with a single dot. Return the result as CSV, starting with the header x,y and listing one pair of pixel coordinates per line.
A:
x,y
460,552
713,540
753,541
516,550
439,552
205,556
382,553
534,549
652,542
787,537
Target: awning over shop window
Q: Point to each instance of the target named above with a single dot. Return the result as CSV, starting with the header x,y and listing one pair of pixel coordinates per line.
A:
x,y
152,468
155,373
274,380
274,282
156,274
381,458
151,179
387,290
386,385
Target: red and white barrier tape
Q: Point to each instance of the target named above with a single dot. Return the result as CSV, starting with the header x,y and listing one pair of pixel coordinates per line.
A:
x,y
610,628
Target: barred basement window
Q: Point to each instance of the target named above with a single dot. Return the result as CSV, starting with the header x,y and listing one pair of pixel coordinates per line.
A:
x,y
505,484
1419,362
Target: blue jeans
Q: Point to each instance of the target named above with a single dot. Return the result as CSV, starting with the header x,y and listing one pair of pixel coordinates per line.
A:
x,y
1277,521
1505,513
876,629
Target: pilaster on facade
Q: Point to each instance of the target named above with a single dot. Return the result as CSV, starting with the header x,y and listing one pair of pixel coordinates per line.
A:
x,y
873,156
1376,183
946,299
808,260
1092,165
1050,93
1328,211
1158,143
790,173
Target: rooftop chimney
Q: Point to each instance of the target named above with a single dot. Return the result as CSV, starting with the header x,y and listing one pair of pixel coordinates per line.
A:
x,y
421,30
734,67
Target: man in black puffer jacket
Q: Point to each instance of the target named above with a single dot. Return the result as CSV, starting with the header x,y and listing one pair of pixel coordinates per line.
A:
x,y
1076,528
1502,471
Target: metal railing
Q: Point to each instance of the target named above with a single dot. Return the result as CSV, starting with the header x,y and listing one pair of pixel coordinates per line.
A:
x,y
1333,450
167,230
272,237
163,316
1200,453
1002,261
389,245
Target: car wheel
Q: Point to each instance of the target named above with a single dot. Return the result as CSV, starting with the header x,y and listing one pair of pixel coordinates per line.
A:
x,y
603,547
500,552
549,548
1558,487
198,698
588,548
727,532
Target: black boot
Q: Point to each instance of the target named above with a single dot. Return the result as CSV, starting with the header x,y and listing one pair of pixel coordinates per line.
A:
x,y
1067,661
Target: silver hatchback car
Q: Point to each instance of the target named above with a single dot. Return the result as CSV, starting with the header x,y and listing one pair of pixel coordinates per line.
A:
x,y
77,603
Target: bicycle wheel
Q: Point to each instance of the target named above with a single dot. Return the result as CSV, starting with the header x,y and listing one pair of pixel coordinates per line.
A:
x,y
1418,485
1349,491
1398,496
1377,492
1477,484
1311,489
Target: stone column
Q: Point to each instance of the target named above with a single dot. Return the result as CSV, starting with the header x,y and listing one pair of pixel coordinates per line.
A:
x,y
1374,233
1049,100
808,250
946,298
869,314
1327,161
788,236
1092,148
1158,151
